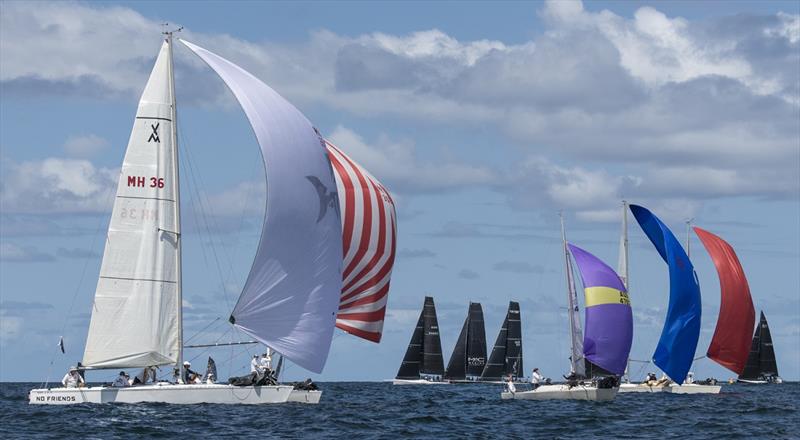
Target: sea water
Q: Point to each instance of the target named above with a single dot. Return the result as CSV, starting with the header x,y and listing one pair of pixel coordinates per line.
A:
x,y
355,410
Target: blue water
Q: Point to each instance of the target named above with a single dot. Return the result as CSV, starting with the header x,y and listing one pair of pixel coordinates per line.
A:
x,y
380,410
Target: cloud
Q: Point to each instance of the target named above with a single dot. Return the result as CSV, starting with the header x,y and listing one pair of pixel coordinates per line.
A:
x,y
468,274
85,145
76,253
13,253
517,267
415,253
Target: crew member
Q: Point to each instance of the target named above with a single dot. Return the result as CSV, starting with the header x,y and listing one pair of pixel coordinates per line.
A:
x,y
536,378
123,380
73,379
510,384
255,365
689,378
189,376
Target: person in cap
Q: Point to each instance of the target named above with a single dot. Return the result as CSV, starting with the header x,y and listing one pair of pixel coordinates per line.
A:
x,y
72,379
123,380
510,384
266,362
189,376
255,364
536,378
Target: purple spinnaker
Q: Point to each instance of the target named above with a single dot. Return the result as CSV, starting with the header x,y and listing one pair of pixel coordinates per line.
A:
x,y
609,319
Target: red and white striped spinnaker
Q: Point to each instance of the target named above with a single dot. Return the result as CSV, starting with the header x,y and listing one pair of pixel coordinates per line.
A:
x,y
369,228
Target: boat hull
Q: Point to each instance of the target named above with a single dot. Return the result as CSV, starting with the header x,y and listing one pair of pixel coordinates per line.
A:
x,y
305,396
163,393
672,388
563,392
418,382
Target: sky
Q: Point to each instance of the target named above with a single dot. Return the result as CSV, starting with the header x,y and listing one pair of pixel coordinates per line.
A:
x,y
484,120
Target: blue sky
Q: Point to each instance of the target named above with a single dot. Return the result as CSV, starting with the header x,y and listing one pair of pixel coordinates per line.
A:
x,y
483,119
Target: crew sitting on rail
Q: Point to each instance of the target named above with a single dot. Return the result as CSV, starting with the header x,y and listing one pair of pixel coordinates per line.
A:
x,y
123,380
73,379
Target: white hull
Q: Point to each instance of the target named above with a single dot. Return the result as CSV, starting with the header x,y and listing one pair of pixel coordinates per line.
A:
x,y
418,382
563,392
302,396
672,388
163,393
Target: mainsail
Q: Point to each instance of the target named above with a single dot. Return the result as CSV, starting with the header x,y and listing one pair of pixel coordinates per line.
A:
x,y
608,332
424,353
136,312
506,356
369,231
469,354
731,342
676,347
291,296
761,361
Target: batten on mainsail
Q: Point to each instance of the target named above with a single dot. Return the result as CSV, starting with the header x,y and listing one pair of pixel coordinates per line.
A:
x,y
369,237
730,344
135,315
676,347
291,296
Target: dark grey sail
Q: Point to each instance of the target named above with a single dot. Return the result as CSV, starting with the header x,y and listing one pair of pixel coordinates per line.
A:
x,y
469,355
432,360
506,357
410,367
761,363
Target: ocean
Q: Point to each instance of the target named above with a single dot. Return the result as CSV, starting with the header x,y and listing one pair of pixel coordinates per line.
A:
x,y
356,410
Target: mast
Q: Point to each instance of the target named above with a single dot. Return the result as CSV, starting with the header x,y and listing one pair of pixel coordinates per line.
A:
x,y
688,245
622,266
177,192
574,319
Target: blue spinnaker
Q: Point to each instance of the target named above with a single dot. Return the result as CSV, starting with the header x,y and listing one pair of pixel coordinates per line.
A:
x,y
675,351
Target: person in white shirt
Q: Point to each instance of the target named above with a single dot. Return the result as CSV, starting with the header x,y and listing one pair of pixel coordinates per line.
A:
x,y
689,378
72,379
536,378
266,362
255,365
123,380
510,384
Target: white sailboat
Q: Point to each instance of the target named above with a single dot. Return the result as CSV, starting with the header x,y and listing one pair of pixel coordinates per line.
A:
x,y
580,389
295,290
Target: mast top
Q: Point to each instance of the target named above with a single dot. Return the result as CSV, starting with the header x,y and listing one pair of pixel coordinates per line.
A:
x,y
167,32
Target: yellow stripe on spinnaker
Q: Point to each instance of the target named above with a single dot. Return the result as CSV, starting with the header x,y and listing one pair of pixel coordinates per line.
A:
x,y
605,295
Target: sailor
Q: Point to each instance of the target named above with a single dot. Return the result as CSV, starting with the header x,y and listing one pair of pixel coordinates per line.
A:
x,y
536,378
123,380
689,378
510,384
148,374
73,379
651,379
189,376
266,362
255,365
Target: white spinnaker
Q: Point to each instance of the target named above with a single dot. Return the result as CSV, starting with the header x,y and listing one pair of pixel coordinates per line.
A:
x,y
135,311
291,296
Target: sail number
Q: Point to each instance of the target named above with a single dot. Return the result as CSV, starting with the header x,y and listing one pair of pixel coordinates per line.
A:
x,y
140,181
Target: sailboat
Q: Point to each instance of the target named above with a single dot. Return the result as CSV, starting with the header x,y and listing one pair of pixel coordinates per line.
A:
x,y
609,333
761,367
296,284
423,363
469,354
506,356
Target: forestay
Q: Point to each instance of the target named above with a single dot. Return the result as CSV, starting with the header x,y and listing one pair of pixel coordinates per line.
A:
x,y
369,231
291,296
135,312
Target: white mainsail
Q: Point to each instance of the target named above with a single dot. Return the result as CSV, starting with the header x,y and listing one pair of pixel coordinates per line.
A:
x,y
136,311
578,366
291,296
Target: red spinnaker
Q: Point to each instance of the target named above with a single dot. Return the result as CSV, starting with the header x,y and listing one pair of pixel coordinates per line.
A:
x,y
730,345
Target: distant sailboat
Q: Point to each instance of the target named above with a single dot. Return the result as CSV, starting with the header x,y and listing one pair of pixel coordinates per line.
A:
x,y
506,356
609,332
761,366
469,354
295,286
423,363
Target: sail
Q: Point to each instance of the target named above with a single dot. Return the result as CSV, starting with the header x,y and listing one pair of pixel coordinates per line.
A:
x,y
369,231
731,342
506,356
608,332
761,360
469,353
432,360
676,347
410,367
291,296
573,313
135,315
